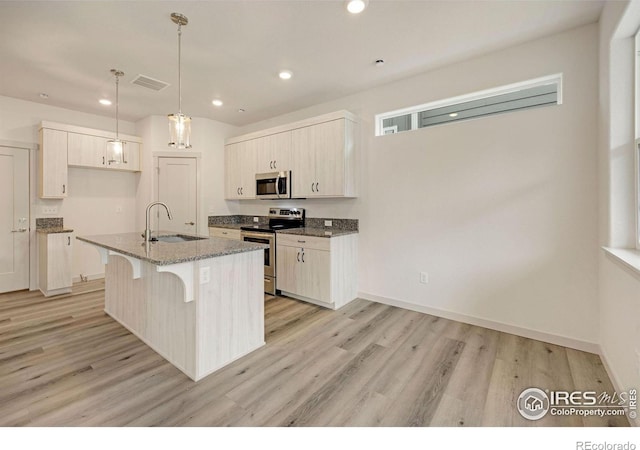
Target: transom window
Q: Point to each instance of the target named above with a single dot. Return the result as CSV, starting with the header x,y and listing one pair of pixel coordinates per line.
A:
x,y
543,91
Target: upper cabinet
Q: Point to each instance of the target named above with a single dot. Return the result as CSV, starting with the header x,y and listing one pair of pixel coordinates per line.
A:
x,y
320,153
63,145
52,164
240,170
273,153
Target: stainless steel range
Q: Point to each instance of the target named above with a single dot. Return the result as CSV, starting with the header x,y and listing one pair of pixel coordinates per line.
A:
x,y
279,219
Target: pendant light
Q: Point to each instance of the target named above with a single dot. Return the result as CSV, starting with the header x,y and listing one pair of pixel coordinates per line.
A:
x,y
115,147
179,124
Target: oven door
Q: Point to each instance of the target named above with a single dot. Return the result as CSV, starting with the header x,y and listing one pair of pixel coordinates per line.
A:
x,y
269,253
273,185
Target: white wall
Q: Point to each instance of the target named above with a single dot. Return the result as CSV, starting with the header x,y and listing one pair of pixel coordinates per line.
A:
x,y
207,140
619,287
94,195
500,211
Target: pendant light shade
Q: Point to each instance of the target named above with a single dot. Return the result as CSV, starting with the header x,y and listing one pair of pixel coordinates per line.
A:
x,y
115,147
179,124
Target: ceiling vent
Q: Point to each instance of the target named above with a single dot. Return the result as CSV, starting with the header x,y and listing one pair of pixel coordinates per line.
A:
x,y
149,83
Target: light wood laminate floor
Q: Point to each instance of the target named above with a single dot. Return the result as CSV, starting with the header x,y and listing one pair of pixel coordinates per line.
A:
x,y
63,362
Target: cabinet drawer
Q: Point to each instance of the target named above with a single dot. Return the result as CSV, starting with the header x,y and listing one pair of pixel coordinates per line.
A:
x,y
293,240
226,233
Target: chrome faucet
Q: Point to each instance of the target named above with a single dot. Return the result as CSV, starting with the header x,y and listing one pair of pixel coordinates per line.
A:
x,y
147,230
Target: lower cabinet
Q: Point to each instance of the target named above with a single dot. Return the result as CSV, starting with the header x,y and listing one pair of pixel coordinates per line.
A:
x,y
319,270
227,233
54,263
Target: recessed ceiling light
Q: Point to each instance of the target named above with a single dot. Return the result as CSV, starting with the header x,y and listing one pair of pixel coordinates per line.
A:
x,y
356,6
453,115
285,75
105,102
217,102
43,95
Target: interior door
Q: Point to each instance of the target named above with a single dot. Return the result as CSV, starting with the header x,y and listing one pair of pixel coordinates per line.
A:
x,y
178,188
14,219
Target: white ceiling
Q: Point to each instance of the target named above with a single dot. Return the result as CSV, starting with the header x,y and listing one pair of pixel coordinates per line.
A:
x,y
234,49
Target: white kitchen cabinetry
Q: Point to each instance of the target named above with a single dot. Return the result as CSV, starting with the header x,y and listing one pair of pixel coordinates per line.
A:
x,y
52,164
320,152
318,270
226,233
86,150
323,160
273,152
240,170
54,262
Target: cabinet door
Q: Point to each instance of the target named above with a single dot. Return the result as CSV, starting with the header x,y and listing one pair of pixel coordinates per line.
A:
x,y
287,268
329,148
314,278
232,174
303,171
247,151
52,164
273,153
131,157
59,259
86,151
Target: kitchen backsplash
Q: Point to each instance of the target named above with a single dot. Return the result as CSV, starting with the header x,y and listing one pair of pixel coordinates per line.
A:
x,y
310,222
49,222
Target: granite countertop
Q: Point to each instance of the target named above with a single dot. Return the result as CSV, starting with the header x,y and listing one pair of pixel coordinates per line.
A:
x,y
317,232
231,226
165,253
51,230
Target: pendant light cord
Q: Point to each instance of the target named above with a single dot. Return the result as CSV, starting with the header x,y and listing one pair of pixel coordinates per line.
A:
x,y
179,69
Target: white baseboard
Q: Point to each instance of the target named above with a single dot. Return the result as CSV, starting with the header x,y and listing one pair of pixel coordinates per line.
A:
x,y
564,341
615,380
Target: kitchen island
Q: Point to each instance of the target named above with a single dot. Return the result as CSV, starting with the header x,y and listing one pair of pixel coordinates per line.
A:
x,y
199,303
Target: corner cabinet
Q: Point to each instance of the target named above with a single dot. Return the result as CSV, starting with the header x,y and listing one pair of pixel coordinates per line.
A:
x,y
318,270
54,263
63,146
52,164
320,152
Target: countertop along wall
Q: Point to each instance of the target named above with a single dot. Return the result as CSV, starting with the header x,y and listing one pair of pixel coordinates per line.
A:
x,y
94,195
500,211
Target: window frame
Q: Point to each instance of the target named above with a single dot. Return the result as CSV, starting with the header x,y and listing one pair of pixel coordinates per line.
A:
x,y
479,95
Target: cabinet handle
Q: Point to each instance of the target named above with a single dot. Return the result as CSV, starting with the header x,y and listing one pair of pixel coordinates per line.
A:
x,y
224,232
274,165
68,240
270,164
189,223
103,160
19,230
303,256
298,257
64,188
312,190
241,189
302,242
238,191
317,188
124,161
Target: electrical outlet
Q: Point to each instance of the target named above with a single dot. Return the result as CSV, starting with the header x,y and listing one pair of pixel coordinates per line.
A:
x,y
328,223
256,219
49,210
424,277
205,275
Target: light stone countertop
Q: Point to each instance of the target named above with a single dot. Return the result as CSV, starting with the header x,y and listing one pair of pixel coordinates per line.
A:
x,y
166,253
317,232
51,230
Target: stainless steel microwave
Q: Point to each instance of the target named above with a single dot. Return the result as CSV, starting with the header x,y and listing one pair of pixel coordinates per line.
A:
x,y
273,185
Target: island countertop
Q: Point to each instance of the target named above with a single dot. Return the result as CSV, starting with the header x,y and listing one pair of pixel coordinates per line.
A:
x,y
166,253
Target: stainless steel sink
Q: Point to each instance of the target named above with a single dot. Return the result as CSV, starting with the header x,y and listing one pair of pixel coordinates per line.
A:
x,y
177,238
